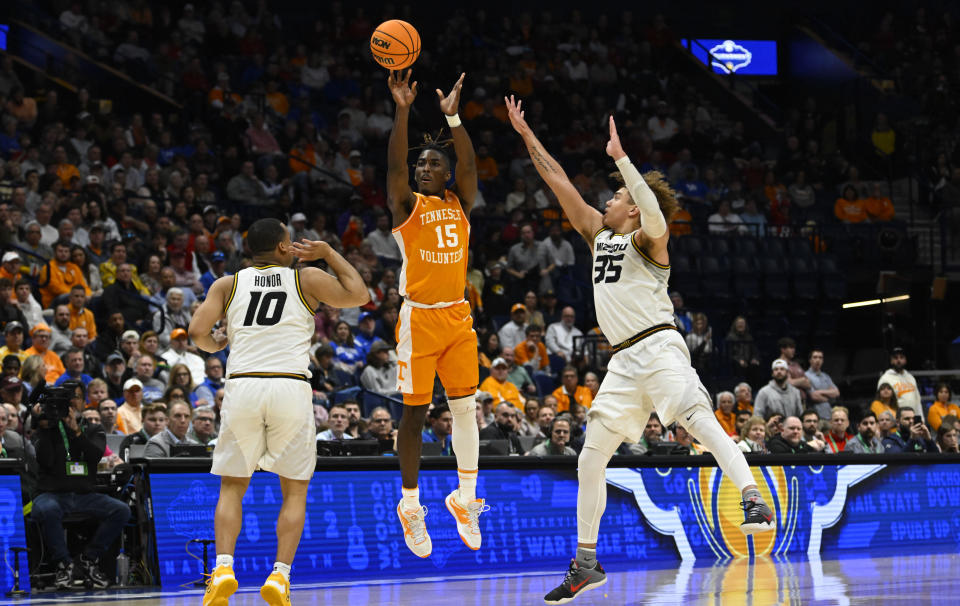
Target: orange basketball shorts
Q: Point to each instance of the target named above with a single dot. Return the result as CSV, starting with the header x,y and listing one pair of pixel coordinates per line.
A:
x,y
436,342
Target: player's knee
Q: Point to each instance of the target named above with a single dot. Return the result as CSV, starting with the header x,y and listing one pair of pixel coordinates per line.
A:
x,y
464,405
590,462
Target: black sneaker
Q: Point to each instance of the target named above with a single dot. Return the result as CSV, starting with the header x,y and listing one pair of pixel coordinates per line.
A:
x,y
90,574
757,517
577,581
64,576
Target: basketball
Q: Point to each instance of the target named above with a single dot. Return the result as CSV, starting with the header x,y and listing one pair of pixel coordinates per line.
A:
x,y
395,44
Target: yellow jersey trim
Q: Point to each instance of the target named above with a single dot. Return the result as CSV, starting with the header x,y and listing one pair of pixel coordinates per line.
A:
x,y
645,256
268,375
265,266
600,231
233,291
300,293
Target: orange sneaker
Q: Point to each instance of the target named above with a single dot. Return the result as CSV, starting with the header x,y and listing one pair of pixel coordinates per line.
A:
x,y
467,518
415,531
276,590
220,586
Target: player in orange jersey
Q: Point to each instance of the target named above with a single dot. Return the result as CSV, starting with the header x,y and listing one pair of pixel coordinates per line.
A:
x,y
435,329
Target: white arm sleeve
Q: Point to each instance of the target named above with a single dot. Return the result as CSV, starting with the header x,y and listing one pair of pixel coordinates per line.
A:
x,y
654,225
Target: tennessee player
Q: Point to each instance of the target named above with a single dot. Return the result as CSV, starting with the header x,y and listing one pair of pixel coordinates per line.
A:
x,y
435,329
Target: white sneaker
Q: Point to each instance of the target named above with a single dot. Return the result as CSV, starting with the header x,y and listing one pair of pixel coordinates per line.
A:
x,y
415,531
467,518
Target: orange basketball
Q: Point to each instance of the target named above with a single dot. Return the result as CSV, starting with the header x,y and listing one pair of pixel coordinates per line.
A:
x,y
395,44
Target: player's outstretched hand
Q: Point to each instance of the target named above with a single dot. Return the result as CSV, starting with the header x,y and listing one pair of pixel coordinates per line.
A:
x,y
450,104
403,93
311,250
515,113
614,149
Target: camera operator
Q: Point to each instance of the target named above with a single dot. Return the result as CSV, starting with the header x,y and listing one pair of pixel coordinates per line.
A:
x,y
67,456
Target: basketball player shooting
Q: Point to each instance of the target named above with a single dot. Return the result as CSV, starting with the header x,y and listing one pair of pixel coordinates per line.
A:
x,y
650,369
435,333
267,415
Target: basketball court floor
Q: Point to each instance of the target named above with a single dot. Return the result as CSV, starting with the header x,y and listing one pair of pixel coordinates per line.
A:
x,y
900,579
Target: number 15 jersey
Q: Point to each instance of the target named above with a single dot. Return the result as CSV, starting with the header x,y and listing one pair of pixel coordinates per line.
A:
x,y
269,322
629,288
433,243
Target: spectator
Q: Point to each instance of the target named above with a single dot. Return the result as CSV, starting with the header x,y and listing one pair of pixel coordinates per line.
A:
x,y
652,435
724,222
485,402
778,395
947,438
560,335
529,427
866,441
545,417
153,420
80,316
211,383
59,275
532,352
496,299
514,332
504,427
246,188
356,425
218,264
795,374
490,349
682,437
570,389
592,382
366,337
823,391
325,379
725,414
13,335
109,339
941,407
903,433
338,419
74,369
382,241
380,373
380,427
753,435
903,383
497,385
174,434
558,256
123,296
441,427
850,208
129,413
517,374
790,440
886,400
558,442
811,429
143,371
681,315
700,342
347,355
203,429
173,315
108,417
113,372
41,347
879,208
27,304
661,126
839,435
742,349
96,393
110,268
178,354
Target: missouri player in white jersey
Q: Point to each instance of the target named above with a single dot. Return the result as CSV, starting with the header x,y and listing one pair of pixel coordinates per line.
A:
x,y
267,415
650,369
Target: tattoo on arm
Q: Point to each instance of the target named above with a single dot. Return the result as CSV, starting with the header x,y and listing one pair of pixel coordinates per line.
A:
x,y
541,160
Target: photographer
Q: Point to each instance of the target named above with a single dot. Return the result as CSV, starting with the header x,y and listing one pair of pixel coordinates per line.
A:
x,y
67,456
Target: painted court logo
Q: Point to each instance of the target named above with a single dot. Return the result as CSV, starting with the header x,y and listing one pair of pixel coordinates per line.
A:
x,y
730,56
699,506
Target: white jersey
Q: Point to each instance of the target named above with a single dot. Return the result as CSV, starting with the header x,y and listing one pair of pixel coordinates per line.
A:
x,y
629,288
269,323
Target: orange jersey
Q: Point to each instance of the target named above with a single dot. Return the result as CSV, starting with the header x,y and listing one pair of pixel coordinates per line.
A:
x,y
433,242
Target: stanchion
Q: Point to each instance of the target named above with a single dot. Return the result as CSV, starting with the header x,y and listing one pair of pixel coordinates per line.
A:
x,y
206,570
16,592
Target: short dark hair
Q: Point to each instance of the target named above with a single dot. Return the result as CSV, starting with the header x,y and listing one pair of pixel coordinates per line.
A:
x,y
438,411
21,282
867,415
264,235
900,412
809,412
62,244
786,342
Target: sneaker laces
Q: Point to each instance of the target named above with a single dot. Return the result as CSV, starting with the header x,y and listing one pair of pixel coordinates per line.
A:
x,y
568,578
474,509
415,523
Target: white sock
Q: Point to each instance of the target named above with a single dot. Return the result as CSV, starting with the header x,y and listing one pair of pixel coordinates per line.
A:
x,y
706,429
411,499
283,569
599,445
466,445
224,559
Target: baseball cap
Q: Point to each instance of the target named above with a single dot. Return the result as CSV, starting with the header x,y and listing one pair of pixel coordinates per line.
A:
x,y
114,357
10,382
898,351
130,334
38,327
210,208
218,256
365,315
10,256
779,363
93,180
379,346
131,383
12,326
298,217
498,362
549,293
97,226
483,396
178,333
518,307
355,154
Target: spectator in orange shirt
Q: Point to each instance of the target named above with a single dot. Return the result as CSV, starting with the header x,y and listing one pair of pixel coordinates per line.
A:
x,y
941,407
487,169
80,316
60,275
725,414
10,269
878,206
569,387
533,351
498,386
41,347
682,222
849,208
62,167
24,109
744,396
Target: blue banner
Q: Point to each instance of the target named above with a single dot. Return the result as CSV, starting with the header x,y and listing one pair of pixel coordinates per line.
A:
x,y
12,532
741,57
689,513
